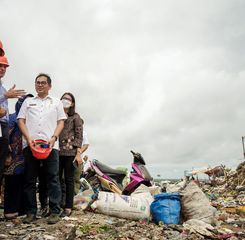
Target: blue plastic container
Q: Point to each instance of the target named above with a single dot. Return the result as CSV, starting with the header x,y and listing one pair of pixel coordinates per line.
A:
x,y
166,208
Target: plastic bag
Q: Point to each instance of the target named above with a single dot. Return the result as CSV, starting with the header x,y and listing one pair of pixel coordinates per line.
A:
x,y
82,199
166,208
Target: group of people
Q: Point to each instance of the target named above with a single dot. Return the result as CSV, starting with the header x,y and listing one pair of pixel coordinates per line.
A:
x,y
47,118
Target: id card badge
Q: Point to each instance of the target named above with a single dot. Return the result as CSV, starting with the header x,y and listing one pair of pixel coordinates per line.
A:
x,y
0,130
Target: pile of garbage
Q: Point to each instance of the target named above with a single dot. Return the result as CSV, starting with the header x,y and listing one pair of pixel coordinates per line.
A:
x,y
188,209
193,209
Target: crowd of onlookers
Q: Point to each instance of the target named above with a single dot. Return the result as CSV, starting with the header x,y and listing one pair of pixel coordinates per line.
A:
x,y
41,144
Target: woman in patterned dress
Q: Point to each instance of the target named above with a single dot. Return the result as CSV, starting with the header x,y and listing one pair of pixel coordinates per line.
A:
x,y
70,141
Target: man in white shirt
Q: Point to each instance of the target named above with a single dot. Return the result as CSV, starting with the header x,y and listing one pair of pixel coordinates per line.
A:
x,y
42,117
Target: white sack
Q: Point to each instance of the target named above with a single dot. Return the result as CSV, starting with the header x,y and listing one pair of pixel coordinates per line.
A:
x,y
153,190
171,188
131,207
195,204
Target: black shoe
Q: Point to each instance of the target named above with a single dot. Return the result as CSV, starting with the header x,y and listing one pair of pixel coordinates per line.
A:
x,y
53,218
29,218
44,212
66,213
10,216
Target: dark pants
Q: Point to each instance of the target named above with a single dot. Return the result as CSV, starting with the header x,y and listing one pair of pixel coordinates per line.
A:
x,y
66,165
51,171
3,147
42,187
14,194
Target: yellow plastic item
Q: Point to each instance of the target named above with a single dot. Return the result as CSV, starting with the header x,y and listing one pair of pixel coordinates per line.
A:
x,y
238,210
110,185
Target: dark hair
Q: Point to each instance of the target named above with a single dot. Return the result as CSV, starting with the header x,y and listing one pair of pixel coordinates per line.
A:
x,y
44,75
72,108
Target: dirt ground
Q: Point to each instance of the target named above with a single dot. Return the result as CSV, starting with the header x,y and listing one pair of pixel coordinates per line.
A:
x,y
81,225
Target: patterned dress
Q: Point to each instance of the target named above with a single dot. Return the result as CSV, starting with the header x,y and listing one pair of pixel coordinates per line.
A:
x,y
15,160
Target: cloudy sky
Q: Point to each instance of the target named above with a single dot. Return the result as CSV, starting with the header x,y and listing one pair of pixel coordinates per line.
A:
x,y
164,78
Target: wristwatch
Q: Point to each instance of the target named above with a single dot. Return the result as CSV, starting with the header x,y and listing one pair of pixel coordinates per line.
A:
x,y
55,137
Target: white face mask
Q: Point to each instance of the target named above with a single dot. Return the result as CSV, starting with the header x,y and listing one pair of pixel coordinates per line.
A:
x,y
66,103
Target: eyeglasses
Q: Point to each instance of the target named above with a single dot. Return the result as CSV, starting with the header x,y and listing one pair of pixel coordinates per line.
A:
x,y
42,83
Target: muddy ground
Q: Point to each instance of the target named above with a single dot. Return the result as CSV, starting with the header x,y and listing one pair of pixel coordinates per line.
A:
x,y
87,225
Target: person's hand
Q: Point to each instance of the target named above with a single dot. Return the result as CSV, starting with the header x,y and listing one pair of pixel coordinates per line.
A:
x,y
51,142
3,112
79,159
14,93
30,142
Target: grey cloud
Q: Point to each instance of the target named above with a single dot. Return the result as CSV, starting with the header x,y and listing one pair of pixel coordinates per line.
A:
x,y
164,78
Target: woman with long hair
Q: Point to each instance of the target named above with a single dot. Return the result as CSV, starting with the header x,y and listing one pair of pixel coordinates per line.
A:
x,y
70,141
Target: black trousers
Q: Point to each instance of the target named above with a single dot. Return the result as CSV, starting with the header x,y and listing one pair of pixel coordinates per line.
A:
x,y
14,194
67,167
42,187
51,171
3,147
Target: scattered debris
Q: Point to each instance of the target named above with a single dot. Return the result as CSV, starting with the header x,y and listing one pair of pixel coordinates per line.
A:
x,y
226,195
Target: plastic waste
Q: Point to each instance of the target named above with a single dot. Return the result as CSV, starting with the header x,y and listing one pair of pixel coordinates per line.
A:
x,y
84,185
83,199
166,208
238,210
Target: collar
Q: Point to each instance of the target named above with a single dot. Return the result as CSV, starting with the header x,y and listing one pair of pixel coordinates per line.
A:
x,y
47,97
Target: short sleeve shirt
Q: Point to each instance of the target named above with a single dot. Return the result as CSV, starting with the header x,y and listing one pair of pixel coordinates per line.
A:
x,y
41,116
3,103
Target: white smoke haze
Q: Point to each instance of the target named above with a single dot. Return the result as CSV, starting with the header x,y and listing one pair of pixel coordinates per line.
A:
x,y
164,78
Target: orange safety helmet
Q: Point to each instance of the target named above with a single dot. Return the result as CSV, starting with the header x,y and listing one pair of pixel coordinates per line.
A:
x,y
1,49
4,61
41,149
